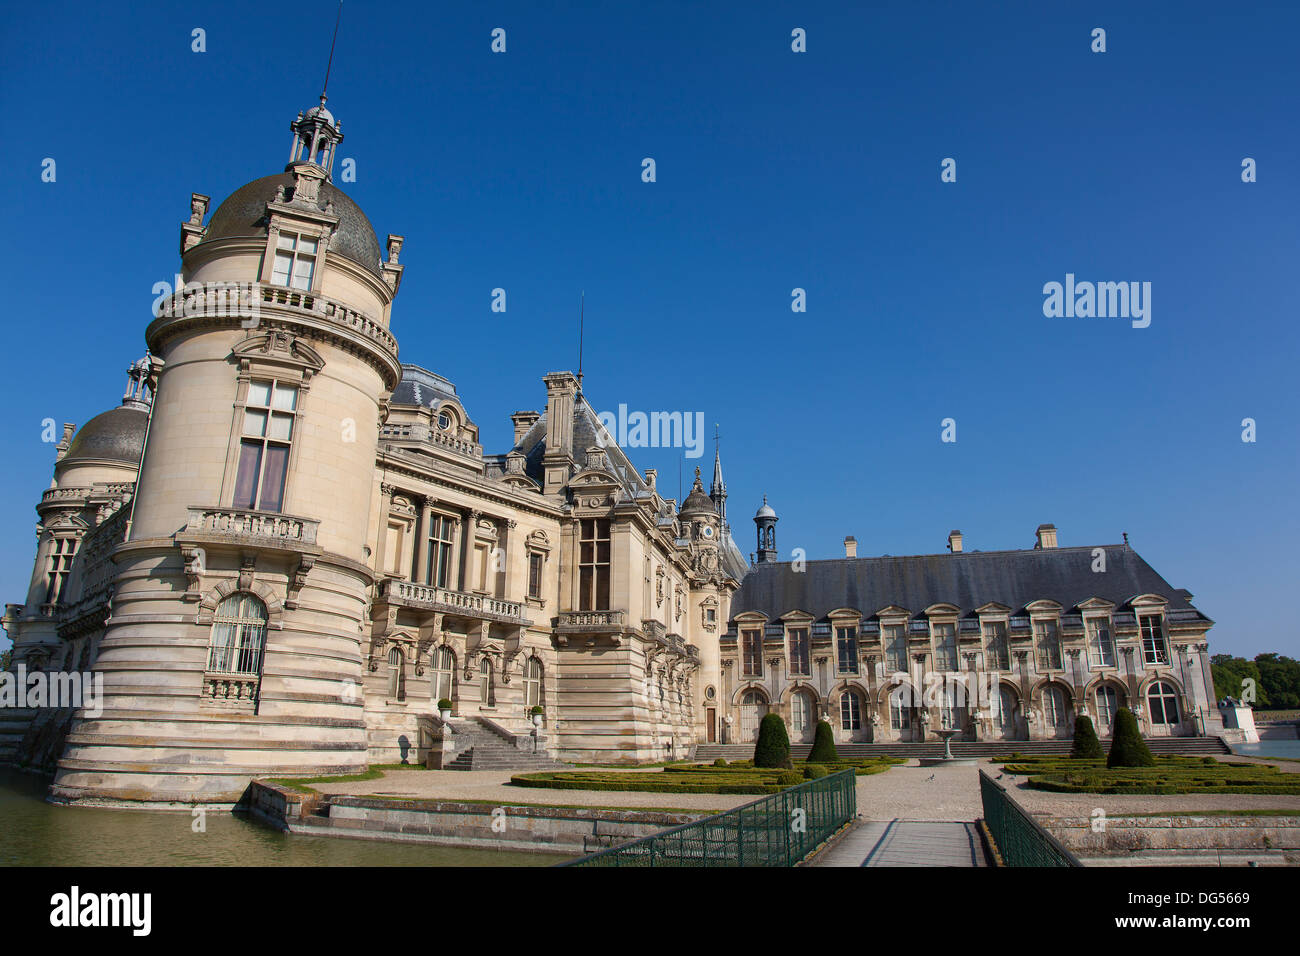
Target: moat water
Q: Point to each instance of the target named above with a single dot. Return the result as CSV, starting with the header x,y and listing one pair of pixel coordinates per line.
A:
x,y
36,833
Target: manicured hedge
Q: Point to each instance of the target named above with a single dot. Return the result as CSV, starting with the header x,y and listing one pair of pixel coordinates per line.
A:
x,y
823,748
773,746
1167,775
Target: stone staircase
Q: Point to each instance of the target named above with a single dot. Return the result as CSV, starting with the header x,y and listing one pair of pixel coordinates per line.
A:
x,y
482,748
1194,746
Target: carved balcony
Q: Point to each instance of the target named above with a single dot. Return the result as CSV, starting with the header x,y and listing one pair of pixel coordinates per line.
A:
x,y
250,529
611,623
395,592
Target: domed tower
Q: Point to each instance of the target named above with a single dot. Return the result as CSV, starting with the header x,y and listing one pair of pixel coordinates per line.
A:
x,y
766,520
233,648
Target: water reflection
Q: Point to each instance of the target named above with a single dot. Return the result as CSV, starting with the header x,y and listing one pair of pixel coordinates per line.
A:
x,y
36,833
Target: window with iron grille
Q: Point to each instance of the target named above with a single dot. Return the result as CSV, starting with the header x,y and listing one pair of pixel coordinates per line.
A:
x,y
238,636
593,564
799,651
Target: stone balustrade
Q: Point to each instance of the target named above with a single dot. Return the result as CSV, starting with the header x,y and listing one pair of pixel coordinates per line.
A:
x,y
194,301
613,619
449,601
253,526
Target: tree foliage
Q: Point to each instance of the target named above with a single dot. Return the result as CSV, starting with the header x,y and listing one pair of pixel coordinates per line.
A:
x,y
1275,677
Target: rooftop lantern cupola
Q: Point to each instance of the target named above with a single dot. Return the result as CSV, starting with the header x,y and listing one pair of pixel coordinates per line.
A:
x,y
316,134
766,520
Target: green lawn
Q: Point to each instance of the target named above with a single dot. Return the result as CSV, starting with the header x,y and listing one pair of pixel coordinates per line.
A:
x,y
1170,775
734,778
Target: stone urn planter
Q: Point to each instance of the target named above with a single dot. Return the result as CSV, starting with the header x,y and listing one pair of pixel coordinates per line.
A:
x,y
444,710
536,714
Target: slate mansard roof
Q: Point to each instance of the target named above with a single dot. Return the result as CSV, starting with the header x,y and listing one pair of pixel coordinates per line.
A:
x,y
969,580
421,387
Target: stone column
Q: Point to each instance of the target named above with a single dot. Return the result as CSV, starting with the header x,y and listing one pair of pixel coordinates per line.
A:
x,y
385,509
469,529
422,548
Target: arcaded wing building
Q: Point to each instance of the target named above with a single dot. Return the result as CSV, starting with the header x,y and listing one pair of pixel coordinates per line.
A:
x,y
287,553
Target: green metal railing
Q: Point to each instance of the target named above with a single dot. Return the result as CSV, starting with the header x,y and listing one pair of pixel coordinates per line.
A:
x,y
777,830
1020,839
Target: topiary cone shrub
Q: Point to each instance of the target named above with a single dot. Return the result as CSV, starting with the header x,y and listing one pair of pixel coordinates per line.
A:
x,y
773,747
823,748
1127,748
1086,745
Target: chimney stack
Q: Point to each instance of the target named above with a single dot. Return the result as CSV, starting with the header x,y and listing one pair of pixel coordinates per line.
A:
x,y
1046,537
954,542
850,547
524,421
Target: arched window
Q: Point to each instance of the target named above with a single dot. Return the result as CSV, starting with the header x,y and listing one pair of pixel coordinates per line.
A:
x,y
444,669
1107,704
532,682
396,674
752,708
1162,700
850,711
900,708
1007,704
486,688
799,708
1053,707
238,635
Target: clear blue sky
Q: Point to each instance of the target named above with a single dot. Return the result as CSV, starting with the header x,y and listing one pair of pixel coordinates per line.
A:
x,y
775,170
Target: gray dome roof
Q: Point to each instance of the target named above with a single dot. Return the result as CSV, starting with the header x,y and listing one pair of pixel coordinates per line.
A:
x,y
697,501
765,511
244,214
114,435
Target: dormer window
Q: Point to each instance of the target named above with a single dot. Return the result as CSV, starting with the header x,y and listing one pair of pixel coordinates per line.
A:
x,y
1154,650
295,261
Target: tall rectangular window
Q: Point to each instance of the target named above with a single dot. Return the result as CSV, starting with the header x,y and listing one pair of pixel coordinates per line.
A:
x,y
1154,650
895,647
945,646
264,449
295,261
62,551
593,564
1101,646
535,575
442,534
846,646
995,646
1048,641
751,651
799,651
